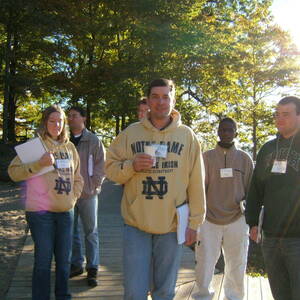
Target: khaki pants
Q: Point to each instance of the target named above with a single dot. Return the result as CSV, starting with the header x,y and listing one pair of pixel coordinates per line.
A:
x,y
234,240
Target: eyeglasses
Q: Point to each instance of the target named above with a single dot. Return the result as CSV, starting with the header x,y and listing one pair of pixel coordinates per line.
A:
x,y
157,97
284,115
73,116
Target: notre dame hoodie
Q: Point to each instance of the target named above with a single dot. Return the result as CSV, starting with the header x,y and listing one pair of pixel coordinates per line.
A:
x,y
55,191
150,197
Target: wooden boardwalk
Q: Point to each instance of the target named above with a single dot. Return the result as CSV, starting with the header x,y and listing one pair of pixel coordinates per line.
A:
x,y
110,272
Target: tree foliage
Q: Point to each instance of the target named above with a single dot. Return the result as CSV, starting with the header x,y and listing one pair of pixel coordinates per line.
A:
x,y
226,58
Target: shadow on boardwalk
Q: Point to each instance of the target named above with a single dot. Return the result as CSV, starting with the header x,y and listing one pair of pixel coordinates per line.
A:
x,y
110,272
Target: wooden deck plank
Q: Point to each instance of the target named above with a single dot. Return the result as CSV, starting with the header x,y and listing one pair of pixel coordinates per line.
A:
x,y
190,290
184,291
265,288
254,289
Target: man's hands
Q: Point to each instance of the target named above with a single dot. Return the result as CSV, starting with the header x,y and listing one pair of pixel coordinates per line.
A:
x,y
190,236
47,160
142,162
254,233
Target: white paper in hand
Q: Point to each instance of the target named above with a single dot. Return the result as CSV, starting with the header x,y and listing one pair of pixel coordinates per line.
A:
x,y
32,151
91,166
183,213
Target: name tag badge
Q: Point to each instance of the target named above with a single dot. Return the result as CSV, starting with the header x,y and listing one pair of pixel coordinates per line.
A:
x,y
279,166
226,173
161,150
63,163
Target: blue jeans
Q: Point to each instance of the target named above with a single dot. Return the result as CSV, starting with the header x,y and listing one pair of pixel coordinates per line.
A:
x,y
282,261
87,210
52,234
140,251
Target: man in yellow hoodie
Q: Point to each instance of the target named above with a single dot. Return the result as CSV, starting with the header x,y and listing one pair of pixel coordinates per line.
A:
x,y
154,186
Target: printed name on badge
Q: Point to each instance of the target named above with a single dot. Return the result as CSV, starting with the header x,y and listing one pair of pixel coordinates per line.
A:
x,y
63,163
226,172
279,166
161,150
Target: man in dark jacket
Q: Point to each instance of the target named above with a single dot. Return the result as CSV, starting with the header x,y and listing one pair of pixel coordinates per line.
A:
x,y
276,186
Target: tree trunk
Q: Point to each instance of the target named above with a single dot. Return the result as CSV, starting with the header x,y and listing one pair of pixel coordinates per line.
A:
x,y
88,114
123,121
117,125
254,138
9,107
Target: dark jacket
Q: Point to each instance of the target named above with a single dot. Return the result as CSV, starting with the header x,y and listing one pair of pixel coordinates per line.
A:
x,y
279,193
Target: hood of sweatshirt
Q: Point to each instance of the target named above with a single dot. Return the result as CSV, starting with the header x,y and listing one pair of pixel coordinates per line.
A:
x,y
49,142
176,122
55,190
150,197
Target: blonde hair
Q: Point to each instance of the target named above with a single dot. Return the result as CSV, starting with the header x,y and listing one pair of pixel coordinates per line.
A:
x,y
42,130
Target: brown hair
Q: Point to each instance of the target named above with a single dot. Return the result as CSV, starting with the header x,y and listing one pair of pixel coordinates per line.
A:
x,y
42,130
142,101
79,109
291,99
161,82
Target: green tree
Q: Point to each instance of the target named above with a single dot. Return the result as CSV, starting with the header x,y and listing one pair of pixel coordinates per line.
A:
x,y
248,61
225,56
29,57
267,60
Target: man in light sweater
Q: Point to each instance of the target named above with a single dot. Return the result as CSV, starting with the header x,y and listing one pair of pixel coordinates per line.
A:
x,y
227,177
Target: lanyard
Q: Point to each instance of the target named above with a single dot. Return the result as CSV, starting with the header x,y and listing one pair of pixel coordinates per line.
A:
x,y
290,146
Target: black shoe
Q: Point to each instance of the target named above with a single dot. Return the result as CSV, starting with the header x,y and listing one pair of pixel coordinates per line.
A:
x,y
75,271
92,277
